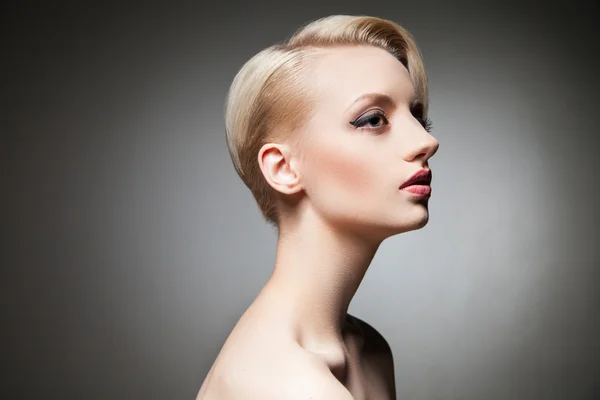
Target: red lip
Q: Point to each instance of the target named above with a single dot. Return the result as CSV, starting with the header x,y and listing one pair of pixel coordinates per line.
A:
x,y
422,177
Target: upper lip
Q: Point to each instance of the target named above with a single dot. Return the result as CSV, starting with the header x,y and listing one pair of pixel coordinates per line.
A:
x,y
422,177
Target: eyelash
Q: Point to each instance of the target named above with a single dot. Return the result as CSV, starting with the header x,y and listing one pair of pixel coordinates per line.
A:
x,y
361,121
427,124
417,112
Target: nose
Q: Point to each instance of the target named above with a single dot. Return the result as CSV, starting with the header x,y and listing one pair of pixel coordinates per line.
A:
x,y
425,146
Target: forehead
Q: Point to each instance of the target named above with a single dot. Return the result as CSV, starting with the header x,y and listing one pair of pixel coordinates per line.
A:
x,y
344,73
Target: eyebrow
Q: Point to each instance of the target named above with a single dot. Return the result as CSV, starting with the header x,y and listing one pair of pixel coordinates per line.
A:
x,y
381,98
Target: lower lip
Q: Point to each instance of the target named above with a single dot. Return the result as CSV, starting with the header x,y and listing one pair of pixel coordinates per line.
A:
x,y
419,190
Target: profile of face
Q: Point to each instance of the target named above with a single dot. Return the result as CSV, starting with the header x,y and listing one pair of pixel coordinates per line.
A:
x,y
362,142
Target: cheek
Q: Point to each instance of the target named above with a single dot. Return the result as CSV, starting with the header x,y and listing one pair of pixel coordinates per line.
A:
x,y
345,174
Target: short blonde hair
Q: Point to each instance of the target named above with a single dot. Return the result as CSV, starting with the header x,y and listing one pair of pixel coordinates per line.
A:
x,y
270,95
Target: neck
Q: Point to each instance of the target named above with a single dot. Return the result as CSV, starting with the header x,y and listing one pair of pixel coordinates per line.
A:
x,y
317,272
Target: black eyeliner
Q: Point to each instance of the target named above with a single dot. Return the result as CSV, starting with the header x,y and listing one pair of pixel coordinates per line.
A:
x,y
365,117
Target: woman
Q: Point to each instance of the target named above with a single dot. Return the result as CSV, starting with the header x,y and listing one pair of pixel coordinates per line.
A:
x,y
330,133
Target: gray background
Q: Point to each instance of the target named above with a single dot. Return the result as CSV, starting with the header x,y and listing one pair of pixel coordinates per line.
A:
x,y
130,247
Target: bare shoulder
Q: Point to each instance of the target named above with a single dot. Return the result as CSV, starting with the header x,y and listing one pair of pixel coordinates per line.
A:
x,y
378,357
280,371
374,341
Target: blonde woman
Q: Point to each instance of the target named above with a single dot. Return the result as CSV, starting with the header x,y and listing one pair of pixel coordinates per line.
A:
x,y
329,131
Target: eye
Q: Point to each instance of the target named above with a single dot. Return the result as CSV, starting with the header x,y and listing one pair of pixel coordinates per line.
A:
x,y
370,121
417,112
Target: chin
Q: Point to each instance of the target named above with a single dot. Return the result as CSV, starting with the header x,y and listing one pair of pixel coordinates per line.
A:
x,y
421,223
382,226
415,221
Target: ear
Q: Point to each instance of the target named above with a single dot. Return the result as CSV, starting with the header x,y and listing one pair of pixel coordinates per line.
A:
x,y
278,168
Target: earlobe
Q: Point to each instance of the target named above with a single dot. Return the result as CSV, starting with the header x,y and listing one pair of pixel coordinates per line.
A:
x,y
276,164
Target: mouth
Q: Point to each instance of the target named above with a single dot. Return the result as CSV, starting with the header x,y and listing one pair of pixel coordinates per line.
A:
x,y
419,183
421,178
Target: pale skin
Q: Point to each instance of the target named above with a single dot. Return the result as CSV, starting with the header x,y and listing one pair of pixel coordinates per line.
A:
x,y
339,199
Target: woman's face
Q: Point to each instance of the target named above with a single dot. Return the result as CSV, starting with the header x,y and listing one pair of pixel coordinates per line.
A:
x,y
357,153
